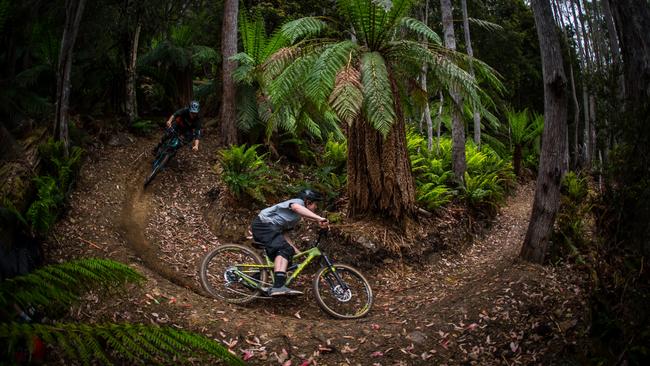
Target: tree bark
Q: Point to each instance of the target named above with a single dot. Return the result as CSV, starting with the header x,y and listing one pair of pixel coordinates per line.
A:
x,y
470,53
228,113
379,172
458,162
423,84
547,191
74,10
131,100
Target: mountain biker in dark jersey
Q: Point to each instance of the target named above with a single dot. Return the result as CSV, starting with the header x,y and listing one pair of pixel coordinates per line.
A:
x,y
270,227
187,123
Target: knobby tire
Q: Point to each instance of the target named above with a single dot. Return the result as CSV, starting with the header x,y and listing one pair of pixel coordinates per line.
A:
x,y
218,262
360,296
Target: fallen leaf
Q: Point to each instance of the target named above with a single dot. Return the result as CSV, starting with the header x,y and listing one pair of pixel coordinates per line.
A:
x,y
377,354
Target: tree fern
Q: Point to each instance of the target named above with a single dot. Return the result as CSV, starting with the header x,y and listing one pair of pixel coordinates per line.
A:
x,y
320,81
347,96
109,343
62,284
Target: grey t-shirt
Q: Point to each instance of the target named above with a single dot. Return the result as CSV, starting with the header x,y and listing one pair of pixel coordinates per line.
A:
x,y
281,214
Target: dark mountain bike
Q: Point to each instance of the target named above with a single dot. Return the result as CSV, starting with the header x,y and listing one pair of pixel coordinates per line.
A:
x,y
165,152
238,274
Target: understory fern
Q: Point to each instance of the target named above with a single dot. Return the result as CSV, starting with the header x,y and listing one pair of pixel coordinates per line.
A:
x,y
62,284
111,343
55,287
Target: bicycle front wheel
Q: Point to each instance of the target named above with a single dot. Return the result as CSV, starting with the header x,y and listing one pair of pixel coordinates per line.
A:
x,y
232,272
157,168
342,292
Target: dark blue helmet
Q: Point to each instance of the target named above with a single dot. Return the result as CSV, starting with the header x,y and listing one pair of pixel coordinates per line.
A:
x,y
309,195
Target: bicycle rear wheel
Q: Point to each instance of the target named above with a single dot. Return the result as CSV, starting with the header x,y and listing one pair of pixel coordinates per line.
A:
x,y
342,291
229,272
157,168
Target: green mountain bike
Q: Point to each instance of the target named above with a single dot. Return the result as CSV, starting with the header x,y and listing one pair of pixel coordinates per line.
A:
x,y
165,152
238,274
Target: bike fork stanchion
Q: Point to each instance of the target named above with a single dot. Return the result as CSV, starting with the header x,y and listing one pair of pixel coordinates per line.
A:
x,y
338,278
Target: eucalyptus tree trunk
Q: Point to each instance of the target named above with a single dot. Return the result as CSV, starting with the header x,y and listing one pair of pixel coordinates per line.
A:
x,y
576,105
439,122
458,162
470,53
73,12
131,100
426,115
582,47
228,113
611,32
547,191
587,92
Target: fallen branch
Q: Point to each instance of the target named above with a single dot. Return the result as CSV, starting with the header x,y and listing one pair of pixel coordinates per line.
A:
x,y
89,242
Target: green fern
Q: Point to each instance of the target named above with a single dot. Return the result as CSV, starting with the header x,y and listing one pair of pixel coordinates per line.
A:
x,y
244,171
62,284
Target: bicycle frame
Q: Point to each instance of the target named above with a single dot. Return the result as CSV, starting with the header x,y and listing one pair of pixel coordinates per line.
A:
x,y
309,256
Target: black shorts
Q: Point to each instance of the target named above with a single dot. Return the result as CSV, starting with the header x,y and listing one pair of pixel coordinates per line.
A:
x,y
273,239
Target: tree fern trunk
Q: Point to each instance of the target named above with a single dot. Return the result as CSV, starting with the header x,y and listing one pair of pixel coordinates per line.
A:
x,y
547,192
379,172
380,181
228,113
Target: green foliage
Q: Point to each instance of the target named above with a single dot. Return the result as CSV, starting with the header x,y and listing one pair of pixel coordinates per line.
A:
x,y
43,212
487,179
244,171
62,284
60,172
143,127
53,288
335,155
569,237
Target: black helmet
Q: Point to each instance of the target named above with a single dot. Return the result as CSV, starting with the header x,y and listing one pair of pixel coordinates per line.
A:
x,y
309,195
195,106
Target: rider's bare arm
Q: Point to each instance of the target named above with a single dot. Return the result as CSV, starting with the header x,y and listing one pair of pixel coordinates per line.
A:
x,y
169,121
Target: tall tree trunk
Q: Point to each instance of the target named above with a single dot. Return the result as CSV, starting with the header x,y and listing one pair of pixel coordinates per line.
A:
x,y
611,32
458,162
439,122
423,84
131,100
228,113
576,105
73,12
470,53
547,191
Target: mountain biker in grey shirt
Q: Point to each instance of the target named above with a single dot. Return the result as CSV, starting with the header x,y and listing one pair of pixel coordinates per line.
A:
x,y
269,228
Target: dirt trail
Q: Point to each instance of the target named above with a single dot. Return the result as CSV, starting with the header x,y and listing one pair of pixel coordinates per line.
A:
x,y
481,305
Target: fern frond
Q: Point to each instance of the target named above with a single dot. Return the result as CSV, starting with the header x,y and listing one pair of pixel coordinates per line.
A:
x,y
303,28
421,29
485,24
377,91
129,342
64,283
284,86
347,97
320,81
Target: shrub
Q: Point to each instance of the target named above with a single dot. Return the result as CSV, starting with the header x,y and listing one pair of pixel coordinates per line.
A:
x,y
244,171
143,127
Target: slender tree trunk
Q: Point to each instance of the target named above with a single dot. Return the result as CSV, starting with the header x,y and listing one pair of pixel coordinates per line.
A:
x,y
228,113
547,191
611,32
131,100
439,122
457,126
576,105
74,10
423,84
470,53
